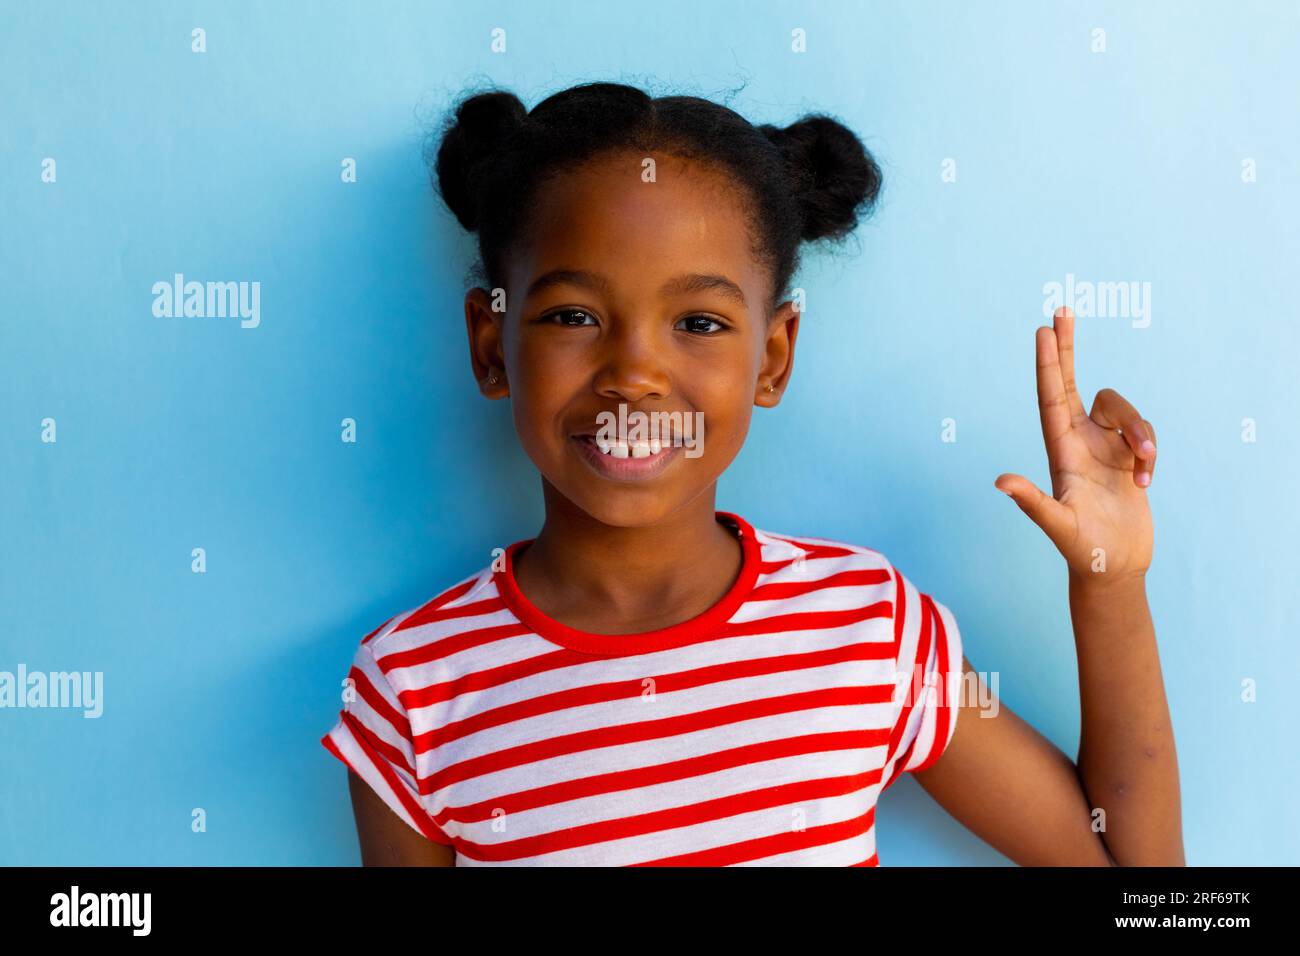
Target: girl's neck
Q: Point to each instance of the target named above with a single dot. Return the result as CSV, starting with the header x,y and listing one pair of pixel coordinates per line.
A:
x,y
612,580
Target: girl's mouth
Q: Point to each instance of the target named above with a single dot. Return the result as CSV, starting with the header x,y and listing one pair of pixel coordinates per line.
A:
x,y
626,461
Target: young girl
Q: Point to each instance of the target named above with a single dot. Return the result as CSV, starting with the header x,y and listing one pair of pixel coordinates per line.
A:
x,y
651,681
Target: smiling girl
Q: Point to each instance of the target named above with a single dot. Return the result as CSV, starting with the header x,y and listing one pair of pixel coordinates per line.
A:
x,y
652,681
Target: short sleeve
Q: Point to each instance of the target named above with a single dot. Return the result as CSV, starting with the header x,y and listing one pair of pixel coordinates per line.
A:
x,y
373,737
928,680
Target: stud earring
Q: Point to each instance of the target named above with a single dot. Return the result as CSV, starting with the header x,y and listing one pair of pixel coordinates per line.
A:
x,y
492,379
770,388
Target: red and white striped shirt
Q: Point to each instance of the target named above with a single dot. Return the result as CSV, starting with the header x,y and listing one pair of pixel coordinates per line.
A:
x,y
760,732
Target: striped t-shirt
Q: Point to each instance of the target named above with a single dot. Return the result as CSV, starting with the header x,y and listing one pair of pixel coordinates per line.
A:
x,y
760,732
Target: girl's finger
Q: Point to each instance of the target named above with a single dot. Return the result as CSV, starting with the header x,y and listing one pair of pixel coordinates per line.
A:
x,y
1053,406
1043,510
1137,433
1112,410
1063,323
1144,467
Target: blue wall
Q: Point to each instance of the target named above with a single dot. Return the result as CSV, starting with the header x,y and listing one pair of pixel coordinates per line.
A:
x,y
177,433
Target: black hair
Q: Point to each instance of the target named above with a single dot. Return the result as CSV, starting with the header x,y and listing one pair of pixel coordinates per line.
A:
x,y
807,181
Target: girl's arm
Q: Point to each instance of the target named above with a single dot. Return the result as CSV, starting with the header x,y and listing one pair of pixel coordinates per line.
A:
x,y
1022,795
386,839
1012,787
998,776
1126,750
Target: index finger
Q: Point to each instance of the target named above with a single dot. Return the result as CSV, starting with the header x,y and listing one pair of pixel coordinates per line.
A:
x,y
1053,406
1063,323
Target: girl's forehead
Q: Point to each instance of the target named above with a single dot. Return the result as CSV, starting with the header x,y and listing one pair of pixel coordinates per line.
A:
x,y
614,217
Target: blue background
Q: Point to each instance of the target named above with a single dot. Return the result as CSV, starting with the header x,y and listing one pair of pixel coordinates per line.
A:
x,y
183,433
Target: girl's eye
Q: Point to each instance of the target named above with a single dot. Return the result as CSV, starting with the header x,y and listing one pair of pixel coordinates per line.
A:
x,y
563,316
567,312
705,318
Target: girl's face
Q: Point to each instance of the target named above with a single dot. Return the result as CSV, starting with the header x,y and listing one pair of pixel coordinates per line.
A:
x,y
641,293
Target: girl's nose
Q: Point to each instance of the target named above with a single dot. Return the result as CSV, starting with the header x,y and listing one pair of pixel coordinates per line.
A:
x,y
632,382
632,367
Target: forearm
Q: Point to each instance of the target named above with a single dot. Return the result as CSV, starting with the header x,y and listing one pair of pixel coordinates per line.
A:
x,y
1127,762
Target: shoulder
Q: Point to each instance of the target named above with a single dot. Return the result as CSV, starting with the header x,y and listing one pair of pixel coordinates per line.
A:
x,y
416,633
820,556
804,562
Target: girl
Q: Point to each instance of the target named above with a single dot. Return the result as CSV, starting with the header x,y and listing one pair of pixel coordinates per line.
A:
x,y
651,681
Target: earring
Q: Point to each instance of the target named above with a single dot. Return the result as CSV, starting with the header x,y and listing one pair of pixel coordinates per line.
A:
x,y
492,379
770,388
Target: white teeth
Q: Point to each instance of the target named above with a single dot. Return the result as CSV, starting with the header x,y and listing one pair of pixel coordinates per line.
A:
x,y
634,449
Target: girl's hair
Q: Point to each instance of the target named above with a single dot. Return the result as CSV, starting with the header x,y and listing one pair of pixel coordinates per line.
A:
x,y
807,181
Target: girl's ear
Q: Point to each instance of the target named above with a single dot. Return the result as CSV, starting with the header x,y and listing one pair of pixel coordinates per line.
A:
x,y
778,354
483,326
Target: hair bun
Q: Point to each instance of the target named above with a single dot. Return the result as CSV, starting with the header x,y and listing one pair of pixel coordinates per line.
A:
x,y
478,128
834,178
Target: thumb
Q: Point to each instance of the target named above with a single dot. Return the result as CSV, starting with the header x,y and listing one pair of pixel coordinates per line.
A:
x,y
1043,510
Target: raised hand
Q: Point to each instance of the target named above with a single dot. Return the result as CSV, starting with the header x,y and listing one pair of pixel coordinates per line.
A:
x,y
1101,465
